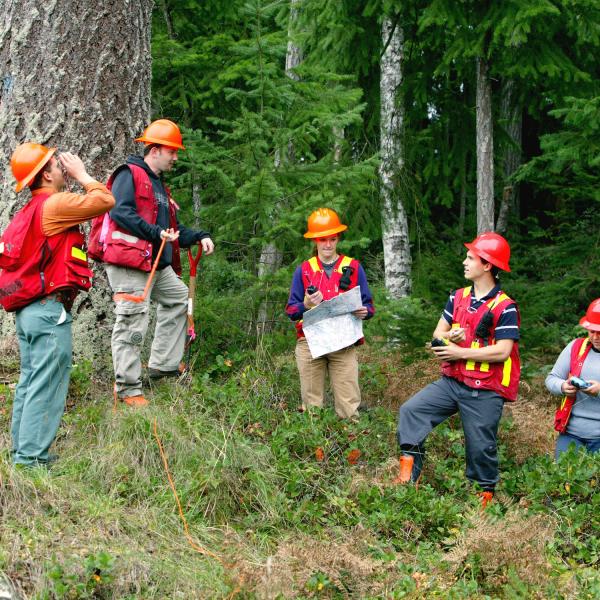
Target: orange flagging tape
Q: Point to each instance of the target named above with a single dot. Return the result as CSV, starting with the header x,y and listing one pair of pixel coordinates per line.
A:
x,y
187,534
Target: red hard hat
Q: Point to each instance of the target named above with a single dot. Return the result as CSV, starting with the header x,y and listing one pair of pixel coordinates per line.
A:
x,y
164,133
324,222
491,247
27,161
591,320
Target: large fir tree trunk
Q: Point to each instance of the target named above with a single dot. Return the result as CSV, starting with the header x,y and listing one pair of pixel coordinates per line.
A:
x,y
511,115
271,256
394,224
74,75
485,149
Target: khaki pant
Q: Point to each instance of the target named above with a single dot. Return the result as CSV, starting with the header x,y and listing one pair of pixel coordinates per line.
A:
x,y
343,376
131,324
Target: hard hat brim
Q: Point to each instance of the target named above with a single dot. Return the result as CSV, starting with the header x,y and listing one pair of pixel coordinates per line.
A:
x,y
588,325
482,254
31,176
311,234
151,140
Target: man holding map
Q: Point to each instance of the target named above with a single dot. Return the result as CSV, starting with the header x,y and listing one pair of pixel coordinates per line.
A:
x,y
328,300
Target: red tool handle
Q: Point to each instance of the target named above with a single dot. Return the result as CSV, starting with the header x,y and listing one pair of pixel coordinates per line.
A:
x,y
194,260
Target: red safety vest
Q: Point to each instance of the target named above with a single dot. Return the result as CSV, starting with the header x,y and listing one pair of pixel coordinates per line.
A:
x,y
117,246
313,273
579,351
35,265
501,377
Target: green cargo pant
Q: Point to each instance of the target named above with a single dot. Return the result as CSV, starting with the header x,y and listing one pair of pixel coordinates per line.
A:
x,y
44,333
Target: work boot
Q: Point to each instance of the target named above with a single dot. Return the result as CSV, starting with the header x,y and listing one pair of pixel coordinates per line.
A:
x,y
135,401
406,463
486,498
158,374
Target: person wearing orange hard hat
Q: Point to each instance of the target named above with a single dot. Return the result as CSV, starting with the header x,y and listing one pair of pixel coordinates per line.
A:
x,y
476,340
44,266
324,276
576,377
128,240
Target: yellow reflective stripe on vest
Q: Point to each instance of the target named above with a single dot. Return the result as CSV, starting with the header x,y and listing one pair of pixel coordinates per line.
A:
x,y
314,264
345,263
506,372
470,366
485,367
466,291
78,253
583,347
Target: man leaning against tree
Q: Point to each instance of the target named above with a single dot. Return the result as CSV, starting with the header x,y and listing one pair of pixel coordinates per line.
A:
x,y
44,267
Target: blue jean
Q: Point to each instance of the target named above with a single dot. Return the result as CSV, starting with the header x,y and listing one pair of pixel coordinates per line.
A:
x,y
44,333
566,439
480,412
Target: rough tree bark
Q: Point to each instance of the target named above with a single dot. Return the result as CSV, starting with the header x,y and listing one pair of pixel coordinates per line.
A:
x,y
271,256
511,115
77,76
394,223
485,149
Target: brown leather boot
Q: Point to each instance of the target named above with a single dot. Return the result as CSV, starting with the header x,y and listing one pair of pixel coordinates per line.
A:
x,y
486,498
406,463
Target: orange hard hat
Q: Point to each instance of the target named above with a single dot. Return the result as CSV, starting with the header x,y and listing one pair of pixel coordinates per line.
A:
x,y
324,222
491,247
163,132
591,320
27,161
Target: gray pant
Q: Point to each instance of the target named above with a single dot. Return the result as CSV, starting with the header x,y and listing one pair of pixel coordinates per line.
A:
x,y
131,324
480,412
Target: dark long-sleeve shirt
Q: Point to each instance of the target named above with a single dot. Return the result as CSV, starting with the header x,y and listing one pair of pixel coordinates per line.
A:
x,y
126,216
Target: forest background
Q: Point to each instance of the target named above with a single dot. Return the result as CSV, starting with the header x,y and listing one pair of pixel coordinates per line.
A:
x,y
422,124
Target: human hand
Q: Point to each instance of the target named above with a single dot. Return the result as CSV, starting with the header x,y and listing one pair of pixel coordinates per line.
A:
x,y
568,389
594,389
73,166
312,300
448,353
457,335
208,246
361,312
169,234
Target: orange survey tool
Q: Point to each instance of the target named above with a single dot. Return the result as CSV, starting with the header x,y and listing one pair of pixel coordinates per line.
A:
x,y
132,297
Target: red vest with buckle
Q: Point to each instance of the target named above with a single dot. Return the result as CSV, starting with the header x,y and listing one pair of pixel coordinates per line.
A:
x,y
117,246
313,273
579,351
501,377
35,265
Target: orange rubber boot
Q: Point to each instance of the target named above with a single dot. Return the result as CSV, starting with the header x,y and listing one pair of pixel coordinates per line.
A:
x,y
136,401
486,498
406,463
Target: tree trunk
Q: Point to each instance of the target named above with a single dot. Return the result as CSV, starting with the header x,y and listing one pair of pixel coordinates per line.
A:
x,y
396,247
511,115
77,76
271,257
485,150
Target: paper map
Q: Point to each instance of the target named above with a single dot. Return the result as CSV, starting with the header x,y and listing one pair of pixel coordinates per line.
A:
x,y
330,326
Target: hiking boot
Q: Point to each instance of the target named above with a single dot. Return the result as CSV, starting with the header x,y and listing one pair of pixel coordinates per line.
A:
x,y
406,464
135,401
485,498
158,374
